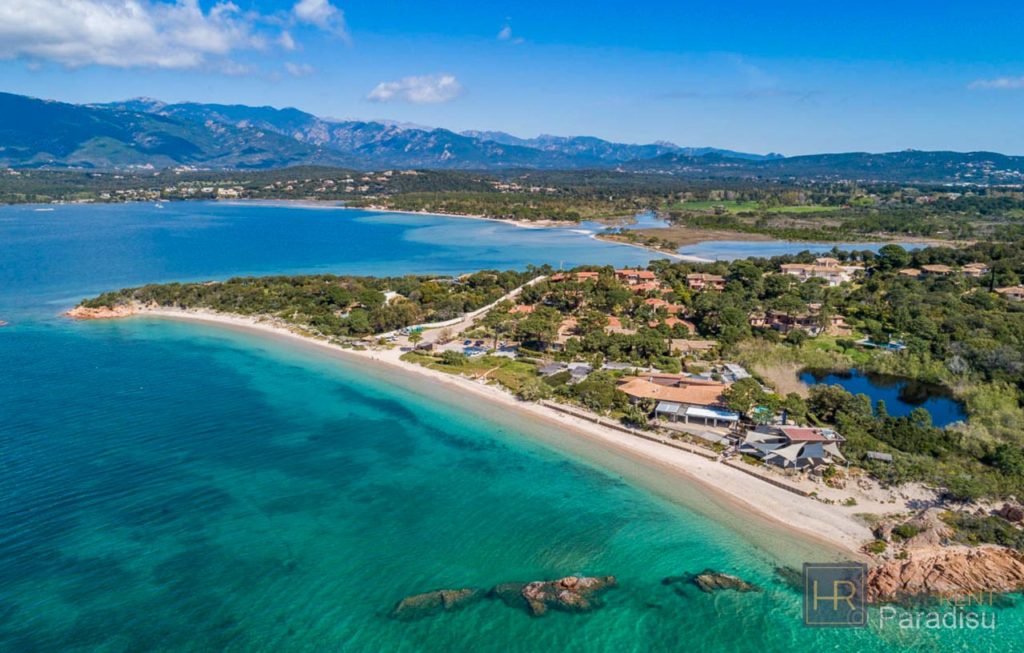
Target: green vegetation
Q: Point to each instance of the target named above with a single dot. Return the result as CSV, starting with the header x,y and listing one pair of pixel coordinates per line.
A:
x,y
329,304
974,529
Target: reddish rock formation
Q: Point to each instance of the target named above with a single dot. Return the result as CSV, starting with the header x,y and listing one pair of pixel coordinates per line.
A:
x,y
100,313
947,572
571,594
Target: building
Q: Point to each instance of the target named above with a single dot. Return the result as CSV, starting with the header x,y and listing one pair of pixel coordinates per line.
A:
x,y
912,273
974,270
1013,293
521,309
684,346
615,326
701,281
634,277
576,276
936,270
833,275
793,447
681,398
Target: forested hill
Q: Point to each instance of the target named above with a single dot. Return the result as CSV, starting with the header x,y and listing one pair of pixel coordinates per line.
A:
x,y
146,133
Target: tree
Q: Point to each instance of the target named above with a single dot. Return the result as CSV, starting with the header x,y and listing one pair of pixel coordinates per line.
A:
x,y
892,257
747,394
415,337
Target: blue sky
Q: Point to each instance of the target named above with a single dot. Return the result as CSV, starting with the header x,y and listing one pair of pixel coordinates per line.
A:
x,y
790,77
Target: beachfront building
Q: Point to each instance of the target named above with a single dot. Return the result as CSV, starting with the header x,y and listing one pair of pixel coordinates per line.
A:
x,y
701,281
681,398
793,447
1013,293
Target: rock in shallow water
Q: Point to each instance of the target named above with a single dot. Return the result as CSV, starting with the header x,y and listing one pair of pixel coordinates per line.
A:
x,y
429,603
713,581
569,594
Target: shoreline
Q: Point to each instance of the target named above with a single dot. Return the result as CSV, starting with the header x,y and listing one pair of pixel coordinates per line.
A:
x,y
819,527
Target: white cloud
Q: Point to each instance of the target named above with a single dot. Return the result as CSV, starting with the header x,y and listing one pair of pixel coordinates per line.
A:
x,y
298,69
126,33
286,41
424,89
322,14
999,83
150,33
506,35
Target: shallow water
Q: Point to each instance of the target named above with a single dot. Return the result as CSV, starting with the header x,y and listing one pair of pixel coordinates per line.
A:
x,y
170,486
729,250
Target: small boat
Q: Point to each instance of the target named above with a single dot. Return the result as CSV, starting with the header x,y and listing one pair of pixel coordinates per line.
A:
x,y
3,324
43,210
159,206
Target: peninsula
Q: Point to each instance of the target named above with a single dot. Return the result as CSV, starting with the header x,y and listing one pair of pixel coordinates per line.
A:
x,y
693,367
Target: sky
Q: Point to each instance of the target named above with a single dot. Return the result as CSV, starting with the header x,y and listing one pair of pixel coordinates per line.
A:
x,y
789,77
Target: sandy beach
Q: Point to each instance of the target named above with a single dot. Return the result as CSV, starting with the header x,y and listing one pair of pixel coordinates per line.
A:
x,y
824,527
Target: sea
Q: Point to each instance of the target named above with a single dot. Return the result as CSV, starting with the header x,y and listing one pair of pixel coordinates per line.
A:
x,y
169,486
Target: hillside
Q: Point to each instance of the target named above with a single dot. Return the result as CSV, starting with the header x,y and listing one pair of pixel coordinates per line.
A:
x,y
149,133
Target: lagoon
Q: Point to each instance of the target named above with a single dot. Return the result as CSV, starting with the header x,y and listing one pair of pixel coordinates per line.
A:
x,y
729,250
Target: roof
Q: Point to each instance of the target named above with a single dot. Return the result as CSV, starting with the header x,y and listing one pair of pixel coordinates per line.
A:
x,y
639,274
698,394
712,413
936,268
804,434
704,276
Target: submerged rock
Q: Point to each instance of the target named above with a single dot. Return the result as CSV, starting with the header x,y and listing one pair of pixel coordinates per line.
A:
x,y
793,578
569,594
429,603
713,581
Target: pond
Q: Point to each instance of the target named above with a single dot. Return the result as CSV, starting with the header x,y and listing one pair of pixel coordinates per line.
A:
x,y
901,395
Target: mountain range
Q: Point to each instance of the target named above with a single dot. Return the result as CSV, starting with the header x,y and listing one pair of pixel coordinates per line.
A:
x,y
148,133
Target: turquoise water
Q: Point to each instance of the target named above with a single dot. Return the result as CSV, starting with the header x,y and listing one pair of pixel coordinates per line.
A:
x,y
173,487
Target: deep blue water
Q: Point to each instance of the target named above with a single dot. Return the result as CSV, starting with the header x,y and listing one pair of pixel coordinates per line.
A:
x,y
901,396
175,487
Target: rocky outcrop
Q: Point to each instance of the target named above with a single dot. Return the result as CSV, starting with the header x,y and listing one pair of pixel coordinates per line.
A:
x,y
100,313
1011,513
429,603
946,572
569,594
712,581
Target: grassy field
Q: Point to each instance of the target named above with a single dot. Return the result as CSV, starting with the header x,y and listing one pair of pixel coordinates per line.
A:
x,y
508,372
